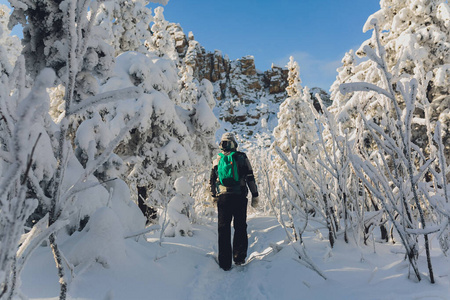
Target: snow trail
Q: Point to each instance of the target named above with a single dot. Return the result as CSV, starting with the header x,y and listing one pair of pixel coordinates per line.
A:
x,y
241,282
183,268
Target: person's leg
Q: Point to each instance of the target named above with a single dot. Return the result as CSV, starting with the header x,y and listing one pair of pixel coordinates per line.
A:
x,y
224,231
240,240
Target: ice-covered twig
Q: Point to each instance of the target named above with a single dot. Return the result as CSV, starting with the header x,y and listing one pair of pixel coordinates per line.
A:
x,y
79,187
306,261
143,231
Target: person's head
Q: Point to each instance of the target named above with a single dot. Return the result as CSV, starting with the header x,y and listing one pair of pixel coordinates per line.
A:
x,y
228,142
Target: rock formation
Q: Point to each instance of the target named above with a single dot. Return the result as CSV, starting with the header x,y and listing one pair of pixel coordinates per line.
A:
x,y
246,96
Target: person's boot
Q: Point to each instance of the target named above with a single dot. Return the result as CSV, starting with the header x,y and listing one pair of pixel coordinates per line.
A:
x,y
239,262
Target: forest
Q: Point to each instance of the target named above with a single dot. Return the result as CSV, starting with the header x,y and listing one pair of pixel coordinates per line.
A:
x,y
108,131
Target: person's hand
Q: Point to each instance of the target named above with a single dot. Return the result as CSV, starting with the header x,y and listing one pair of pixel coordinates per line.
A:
x,y
215,198
255,201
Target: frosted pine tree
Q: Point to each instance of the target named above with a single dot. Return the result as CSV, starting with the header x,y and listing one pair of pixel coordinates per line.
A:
x,y
66,40
198,101
126,24
159,148
161,42
25,155
193,51
196,105
204,121
188,87
293,136
295,117
171,139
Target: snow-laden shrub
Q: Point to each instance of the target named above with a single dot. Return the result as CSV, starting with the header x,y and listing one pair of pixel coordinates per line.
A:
x,y
22,125
101,241
179,210
121,203
397,171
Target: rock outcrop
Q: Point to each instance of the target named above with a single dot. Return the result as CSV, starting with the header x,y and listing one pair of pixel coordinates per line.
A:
x,y
234,76
246,96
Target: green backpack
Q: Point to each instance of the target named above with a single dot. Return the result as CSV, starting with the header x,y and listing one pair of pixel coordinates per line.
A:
x,y
227,170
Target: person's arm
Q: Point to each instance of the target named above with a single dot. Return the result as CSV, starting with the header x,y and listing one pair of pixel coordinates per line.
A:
x,y
212,181
250,178
213,178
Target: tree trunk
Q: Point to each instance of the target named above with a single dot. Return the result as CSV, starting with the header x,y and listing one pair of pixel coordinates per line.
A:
x,y
329,221
59,266
344,196
430,267
149,212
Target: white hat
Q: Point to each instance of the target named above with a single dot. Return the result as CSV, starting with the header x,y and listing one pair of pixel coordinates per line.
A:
x,y
228,137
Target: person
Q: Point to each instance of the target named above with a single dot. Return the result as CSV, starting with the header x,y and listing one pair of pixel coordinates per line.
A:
x,y
232,203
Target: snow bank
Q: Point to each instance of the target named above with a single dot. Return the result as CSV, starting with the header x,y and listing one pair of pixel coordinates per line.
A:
x,y
101,241
184,268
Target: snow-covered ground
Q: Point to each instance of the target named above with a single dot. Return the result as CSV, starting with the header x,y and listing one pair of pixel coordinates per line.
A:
x,y
185,268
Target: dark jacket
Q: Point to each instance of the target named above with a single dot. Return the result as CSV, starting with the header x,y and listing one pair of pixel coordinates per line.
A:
x,y
245,172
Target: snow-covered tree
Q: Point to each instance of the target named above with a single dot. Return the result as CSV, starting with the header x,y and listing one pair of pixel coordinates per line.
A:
x,y
295,115
394,173
193,51
47,39
417,42
170,139
161,42
188,87
294,82
179,210
197,98
9,45
21,128
126,24
56,178
296,121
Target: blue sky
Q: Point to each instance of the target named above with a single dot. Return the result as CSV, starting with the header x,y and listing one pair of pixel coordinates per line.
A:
x,y
316,32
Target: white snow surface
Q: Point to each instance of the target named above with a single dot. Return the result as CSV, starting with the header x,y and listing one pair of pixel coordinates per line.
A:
x,y
185,268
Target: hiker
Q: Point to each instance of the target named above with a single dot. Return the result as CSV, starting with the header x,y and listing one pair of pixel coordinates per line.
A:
x,y
230,175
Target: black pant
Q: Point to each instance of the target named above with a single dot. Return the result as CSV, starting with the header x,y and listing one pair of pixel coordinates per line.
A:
x,y
231,206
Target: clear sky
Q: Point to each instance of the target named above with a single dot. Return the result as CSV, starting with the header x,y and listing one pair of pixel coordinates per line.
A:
x,y
317,33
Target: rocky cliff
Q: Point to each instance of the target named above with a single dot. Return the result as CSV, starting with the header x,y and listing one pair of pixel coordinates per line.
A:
x,y
248,99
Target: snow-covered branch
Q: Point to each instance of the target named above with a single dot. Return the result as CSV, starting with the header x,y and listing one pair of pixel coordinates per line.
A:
x,y
346,88
107,97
